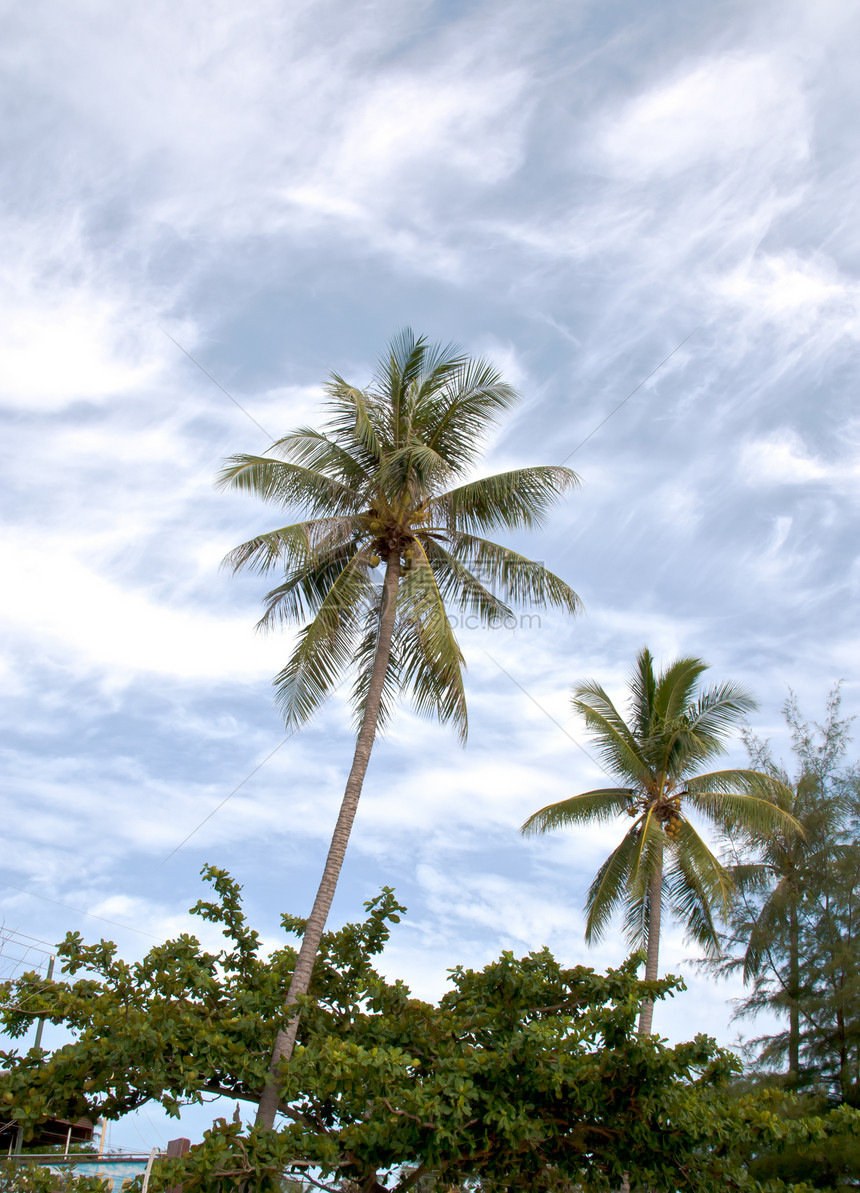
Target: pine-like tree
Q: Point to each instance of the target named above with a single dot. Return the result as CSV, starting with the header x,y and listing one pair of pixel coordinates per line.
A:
x,y
794,929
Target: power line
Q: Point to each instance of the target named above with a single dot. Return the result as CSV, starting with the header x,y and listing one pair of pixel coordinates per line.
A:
x,y
79,910
218,807
224,391
238,786
615,409
4,956
7,933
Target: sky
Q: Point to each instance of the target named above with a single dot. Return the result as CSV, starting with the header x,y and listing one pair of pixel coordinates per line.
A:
x,y
208,208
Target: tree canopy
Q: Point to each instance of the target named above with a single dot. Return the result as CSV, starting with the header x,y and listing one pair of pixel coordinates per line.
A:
x,y
525,1074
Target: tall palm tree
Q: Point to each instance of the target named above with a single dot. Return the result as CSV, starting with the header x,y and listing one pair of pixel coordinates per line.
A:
x,y
673,730
384,485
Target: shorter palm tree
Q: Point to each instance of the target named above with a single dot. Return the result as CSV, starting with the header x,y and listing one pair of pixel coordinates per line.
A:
x,y
673,730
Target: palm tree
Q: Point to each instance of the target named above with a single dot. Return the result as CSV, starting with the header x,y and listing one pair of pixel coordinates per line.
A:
x,y
672,732
384,485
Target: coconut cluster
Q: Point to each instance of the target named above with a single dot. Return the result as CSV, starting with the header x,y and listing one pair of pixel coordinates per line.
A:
x,y
672,827
390,535
672,817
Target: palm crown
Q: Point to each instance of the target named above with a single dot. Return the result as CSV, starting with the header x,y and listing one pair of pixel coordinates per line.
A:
x,y
380,485
673,731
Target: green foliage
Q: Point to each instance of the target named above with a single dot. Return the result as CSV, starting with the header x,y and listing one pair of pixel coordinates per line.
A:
x,y
16,1177
177,1024
525,1074
818,1147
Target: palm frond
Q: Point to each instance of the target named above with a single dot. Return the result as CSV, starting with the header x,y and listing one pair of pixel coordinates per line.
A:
x,y
325,649
676,686
396,375
442,368
746,799
610,887
432,662
643,688
647,858
365,656
751,877
459,587
637,917
516,499
315,450
698,733
304,589
755,782
410,472
522,580
289,485
299,545
713,880
618,749
720,709
690,900
471,401
599,805
356,422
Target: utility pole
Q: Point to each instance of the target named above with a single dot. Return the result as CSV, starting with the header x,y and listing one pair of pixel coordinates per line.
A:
x,y
41,1022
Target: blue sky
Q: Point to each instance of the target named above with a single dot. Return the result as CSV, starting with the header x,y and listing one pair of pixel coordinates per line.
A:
x,y
571,189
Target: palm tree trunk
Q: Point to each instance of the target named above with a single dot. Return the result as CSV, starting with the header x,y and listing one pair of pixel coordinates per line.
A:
x,y
655,906
301,979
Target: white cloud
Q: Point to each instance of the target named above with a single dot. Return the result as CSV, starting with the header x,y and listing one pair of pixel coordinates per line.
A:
x,y
780,458
806,294
80,614
783,458
458,118
514,912
717,109
61,350
236,125
72,331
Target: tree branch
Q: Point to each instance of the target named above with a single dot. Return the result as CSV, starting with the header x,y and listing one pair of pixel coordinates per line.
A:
x,y
430,1126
